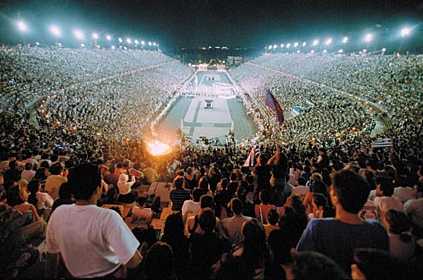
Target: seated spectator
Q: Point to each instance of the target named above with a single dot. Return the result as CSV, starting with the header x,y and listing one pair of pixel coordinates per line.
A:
x,y
158,263
178,194
414,210
41,200
55,180
206,247
17,197
384,199
262,209
249,258
65,196
349,193
92,241
28,173
190,180
301,189
373,264
320,207
173,234
316,266
401,242
125,188
206,203
192,206
272,219
140,213
232,226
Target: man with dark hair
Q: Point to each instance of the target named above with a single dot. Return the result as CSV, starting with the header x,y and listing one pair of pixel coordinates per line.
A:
x,y
384,200
55,180
92,241
178,195
232,226
338,237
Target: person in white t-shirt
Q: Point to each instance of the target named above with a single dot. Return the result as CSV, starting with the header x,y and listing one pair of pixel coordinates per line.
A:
x,y
384,200
91,241
192,206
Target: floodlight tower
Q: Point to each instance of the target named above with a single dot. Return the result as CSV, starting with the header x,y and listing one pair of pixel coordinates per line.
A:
x,y
405,32
22,26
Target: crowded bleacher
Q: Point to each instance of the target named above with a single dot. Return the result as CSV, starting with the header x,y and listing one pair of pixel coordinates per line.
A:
x,y
82,198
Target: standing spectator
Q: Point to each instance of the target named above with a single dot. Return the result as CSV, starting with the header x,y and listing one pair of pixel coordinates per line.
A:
x,y
384,200
125,188
349,193
192,206
28,173
92,241
232,227
401,242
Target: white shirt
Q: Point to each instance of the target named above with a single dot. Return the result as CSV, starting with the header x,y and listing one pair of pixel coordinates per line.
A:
x,y
92,241
386,203
190,206
44,200
28,175
123,185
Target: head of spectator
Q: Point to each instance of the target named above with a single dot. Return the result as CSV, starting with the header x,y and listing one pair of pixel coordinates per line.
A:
x,y
373,264
173,227
397,222
319,205
159,263
206,201
85,181
273,217
56,169
384,186
207,221
196,195
33,188
15,196
316,266
178,182
236,206
265,197
349,192
254,244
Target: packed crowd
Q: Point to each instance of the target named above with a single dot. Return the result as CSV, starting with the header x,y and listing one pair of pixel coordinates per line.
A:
x,y
79,198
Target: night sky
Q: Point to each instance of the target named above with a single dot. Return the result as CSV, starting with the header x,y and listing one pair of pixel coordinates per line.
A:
x,y
196,23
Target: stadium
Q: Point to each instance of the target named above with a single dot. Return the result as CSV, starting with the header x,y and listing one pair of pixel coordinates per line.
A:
x,y
211,140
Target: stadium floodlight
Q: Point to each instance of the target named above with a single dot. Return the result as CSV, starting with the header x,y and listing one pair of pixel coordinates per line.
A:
x,y
95,36
149,43
364,50
405,32
304,44
55,30
270,47
325,51
296,44
345,40
136,42
79,35
120,40
142,43
328,41
128,40
288,45
155,44
113,47
298,51
383,49
275,46
282,46
108,37
315,42
82,45
22,26
368,38
37,43
59,44
312,51
340,51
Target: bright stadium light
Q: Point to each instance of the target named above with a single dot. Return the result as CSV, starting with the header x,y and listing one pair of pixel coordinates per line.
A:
x,y
304,44
149,43
37,43
296,44
95,36
405,32
136,42
345,40
78,34
113,47
328,41
368,38
108,37
55,30
270,47
315,42
22,26
128,40
383,49
155,44
275,46
312,51
142,43
120,40
82,45
282,46
298,51
340,51
288,45
325,51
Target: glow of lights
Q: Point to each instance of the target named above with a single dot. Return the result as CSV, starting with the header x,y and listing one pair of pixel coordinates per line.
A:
x,y
95,36
325,51
304,44
345,40
364,50
288,45
282,46
108,37
136,42
113,47
383,49
128,40
298,51
22,26
59,44
295,44
142,43
340,51
82,45
315,42
78,34
405,32
157,148
155,44
270,47
275,46
120,40
55,30
328,41
37,43
149,43
312,51
368,38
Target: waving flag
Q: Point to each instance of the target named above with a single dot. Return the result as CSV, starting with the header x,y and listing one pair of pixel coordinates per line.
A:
x,y
273,104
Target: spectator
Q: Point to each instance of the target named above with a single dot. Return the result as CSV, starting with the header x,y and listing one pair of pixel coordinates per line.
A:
x,y
159,263
232,226
178,195
55,180
401,242
192,206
